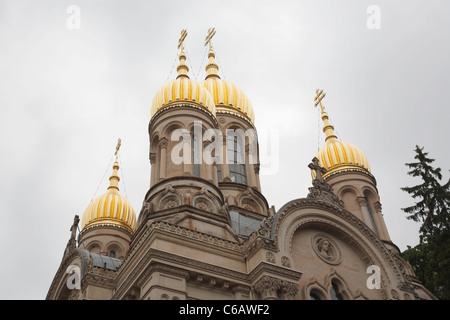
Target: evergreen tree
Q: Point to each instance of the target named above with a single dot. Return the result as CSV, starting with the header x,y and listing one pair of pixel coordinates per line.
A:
x,y
432,209
431,258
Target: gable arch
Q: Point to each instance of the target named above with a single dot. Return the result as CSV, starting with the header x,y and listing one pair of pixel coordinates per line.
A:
x,y
305,217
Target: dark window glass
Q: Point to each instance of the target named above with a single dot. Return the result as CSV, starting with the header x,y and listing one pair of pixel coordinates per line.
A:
x,y
219,172
236,156
335,295
196,156
314,296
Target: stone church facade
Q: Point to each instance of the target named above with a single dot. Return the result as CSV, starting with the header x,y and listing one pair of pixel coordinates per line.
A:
x,y
206,231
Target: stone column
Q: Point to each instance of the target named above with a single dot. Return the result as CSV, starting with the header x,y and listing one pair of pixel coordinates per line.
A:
x,y
365,212
153,172
250,169
214,173
381,223
223,158
163,163
207,171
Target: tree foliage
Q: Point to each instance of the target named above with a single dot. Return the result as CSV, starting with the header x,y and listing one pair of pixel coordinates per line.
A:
x,y
430,259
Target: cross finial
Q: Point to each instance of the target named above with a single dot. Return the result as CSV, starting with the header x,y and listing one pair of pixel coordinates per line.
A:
x,y
181,40
319,96
74,226
314,165
119,143
209,36
71,244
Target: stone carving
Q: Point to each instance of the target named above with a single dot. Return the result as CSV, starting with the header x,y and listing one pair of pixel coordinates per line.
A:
x,y
320,187
152,157
288,290
169,198
249,207
248,200
265,227
71,244
285,262
203,204
270,257
267,287
326,249
394,294
169,202
272,288
384,294
75,294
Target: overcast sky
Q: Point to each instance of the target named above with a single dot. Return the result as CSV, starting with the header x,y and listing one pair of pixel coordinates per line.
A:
x,y
67,95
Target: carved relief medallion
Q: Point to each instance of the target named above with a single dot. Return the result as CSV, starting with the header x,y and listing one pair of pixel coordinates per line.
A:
x,y
326,249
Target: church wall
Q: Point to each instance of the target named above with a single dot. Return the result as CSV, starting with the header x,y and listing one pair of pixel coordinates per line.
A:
x,y
162,286
350,203
98,293
207,293
103,240
350,272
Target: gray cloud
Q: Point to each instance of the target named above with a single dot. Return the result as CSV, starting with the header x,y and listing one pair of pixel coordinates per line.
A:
x,y
67,95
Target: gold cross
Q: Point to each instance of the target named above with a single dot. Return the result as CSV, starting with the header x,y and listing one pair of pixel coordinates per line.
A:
x,y
181,40
211,33
119,143
319,96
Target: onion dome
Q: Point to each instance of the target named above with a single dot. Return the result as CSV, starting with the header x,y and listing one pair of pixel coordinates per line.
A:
x,y
338,156
228,97
183,90
110,209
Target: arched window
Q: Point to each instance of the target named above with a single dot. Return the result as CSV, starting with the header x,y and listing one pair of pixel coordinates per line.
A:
x,y
236,157
112,254
334,292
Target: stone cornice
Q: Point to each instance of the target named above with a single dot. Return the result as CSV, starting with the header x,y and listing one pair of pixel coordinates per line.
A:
x,y
177,105
160,186
269,268
172,259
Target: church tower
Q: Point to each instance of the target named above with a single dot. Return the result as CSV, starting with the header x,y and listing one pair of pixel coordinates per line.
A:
x,y
348,173
109,221
184,187
238,170
204,152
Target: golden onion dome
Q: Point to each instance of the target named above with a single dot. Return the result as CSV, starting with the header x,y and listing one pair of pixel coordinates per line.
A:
x,y
337,156
228,97
183,90
110,209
